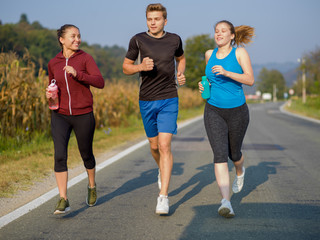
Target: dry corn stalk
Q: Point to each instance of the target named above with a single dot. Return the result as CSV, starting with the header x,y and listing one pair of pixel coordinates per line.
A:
x,y
24,108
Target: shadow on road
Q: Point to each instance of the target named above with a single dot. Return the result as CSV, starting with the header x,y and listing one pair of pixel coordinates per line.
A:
x,y
146,178
200,180
263,221
253,220
255,176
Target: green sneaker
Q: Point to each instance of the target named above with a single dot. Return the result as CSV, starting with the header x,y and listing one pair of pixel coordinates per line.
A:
x,y
63,206
92,196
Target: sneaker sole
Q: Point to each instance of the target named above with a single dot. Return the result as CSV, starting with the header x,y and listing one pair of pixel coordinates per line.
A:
x,y
161,212
90,205
62,212
225,212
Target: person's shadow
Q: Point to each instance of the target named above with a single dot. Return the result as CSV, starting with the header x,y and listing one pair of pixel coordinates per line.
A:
x,y
255,176
200,180
255,220
146,178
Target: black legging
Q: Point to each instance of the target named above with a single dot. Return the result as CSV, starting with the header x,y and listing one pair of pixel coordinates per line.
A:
x,y
61,127
226,128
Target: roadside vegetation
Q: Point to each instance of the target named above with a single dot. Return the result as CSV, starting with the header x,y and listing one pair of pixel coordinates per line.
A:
x,y
309,69
309,109
33,161
26,148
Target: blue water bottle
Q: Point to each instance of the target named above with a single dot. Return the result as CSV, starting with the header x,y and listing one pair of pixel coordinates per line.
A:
x,y
206,91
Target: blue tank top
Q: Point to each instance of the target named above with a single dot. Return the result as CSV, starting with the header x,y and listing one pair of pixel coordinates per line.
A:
x,y
225,92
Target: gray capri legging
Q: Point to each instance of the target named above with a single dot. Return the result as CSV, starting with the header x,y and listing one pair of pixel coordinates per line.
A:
x,y
226,128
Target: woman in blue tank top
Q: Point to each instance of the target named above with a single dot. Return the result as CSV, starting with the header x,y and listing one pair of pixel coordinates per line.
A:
x,y
226,115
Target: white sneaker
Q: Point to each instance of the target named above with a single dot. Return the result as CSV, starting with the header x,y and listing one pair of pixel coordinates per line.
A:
x,y
238,182
225,209
159,180
162,205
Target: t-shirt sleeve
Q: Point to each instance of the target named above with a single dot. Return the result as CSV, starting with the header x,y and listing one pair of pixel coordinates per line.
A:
x,y
133,49
179,52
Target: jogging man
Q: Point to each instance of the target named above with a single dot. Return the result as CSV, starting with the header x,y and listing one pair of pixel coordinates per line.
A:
x,y
158,53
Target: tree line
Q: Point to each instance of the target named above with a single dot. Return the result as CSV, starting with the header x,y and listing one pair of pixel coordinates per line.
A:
x,y
42,45
310,65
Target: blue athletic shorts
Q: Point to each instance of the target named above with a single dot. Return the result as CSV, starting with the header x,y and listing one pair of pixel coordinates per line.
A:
x,y
159,116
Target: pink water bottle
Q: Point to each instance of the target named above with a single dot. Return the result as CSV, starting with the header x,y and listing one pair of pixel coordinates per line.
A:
x,y
54,100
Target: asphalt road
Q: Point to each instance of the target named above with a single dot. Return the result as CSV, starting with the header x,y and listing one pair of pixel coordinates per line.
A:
x,y
280,198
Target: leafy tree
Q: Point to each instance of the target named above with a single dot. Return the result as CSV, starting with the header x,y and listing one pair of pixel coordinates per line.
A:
x,y
23,18
312,68
268,78
109,60
42,45
311,65
36,25
195,48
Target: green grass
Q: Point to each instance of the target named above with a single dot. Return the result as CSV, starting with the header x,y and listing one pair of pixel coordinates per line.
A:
x,y
310,109
22,163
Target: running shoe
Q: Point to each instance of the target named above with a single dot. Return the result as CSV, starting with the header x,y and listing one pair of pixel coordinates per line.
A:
x,y
225,209
63,206
238,182
92,196
159,180
162,205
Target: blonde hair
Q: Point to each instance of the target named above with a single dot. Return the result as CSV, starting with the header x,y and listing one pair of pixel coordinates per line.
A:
x,y
242,34
157,7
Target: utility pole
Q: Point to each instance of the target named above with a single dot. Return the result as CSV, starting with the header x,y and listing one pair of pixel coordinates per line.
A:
x,y
304,93
274,92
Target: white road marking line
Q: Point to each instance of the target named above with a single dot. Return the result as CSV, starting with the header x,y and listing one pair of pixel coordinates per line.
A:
x,y
6,219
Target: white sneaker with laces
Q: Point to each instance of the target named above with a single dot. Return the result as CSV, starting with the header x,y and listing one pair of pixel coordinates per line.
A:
x,y
238,182
162,205
225,209
159,180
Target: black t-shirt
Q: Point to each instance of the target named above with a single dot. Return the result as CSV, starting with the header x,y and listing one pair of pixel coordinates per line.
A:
x,y
159,83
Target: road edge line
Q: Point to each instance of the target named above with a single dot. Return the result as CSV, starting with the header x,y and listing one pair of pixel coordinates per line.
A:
x,y
297,115
19,212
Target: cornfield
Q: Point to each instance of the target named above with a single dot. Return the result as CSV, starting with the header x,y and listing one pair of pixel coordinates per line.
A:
x,y
22,96
24,108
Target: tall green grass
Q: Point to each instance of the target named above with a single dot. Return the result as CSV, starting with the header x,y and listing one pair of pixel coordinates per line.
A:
x,y
310,109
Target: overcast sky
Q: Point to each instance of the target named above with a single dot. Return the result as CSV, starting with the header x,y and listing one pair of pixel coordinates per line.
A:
x,y
285,29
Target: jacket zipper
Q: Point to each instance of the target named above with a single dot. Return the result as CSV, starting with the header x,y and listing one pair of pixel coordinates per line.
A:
x,y
65,77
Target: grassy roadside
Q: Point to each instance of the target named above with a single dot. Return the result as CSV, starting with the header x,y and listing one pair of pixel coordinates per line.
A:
x,y
310,109
34,160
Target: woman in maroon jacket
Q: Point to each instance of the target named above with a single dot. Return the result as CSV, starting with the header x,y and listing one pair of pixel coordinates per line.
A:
x,y
74,71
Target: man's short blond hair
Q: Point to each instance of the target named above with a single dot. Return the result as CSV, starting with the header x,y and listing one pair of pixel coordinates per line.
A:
x,y
157,7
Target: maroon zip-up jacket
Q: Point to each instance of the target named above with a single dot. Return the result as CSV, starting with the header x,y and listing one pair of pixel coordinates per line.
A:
x,y
75,97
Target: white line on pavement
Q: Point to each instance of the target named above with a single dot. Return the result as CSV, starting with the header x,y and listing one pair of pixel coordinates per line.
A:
x,y
4,220
283,110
